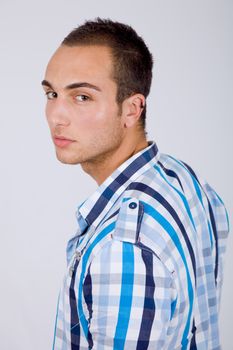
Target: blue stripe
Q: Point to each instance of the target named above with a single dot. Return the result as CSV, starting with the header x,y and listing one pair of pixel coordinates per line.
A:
x,y
227,217
171,173
195,181
101,235
180,194
197,189
172,233
213,224
211,236
173,307
126,295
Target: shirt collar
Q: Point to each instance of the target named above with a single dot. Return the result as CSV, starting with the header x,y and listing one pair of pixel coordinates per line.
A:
x,y
95,208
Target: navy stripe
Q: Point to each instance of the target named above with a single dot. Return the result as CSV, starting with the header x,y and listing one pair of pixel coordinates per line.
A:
x,y
74,322
87,292
193,345
149,303
139,222
86,255
154,194
171,173
173,235
111,216
213,223
120,180
216,240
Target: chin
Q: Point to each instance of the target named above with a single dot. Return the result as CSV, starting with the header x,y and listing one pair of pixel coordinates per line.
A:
x,y
70,162
67,160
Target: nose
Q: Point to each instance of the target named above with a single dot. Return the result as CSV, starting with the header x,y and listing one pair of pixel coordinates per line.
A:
x,y
57,113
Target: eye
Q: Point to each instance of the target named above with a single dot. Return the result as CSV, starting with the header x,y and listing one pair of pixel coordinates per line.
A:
x,y
51,95
82,98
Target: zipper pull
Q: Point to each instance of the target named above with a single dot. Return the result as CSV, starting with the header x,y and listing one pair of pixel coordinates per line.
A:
x,y
77,257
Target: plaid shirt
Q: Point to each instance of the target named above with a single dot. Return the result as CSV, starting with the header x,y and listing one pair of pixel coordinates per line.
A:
x,y
146,265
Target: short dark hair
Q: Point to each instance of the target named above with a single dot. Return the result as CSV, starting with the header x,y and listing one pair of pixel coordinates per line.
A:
x,y
132,60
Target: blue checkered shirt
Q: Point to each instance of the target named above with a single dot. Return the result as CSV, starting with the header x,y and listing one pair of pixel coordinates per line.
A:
x,y
145,268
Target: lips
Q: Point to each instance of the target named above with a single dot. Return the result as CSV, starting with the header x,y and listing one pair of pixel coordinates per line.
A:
x,y
61,141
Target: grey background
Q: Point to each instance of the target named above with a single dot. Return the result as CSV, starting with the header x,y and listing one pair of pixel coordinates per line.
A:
x,y
189,116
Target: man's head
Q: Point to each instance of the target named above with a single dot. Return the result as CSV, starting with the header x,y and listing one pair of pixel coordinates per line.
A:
x,y
132,61
96,85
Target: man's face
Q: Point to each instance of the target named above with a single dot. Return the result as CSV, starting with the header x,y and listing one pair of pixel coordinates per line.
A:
x,y
81,109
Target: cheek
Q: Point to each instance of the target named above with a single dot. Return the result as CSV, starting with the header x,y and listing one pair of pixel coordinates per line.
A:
x,y
47,115
98,117
48,112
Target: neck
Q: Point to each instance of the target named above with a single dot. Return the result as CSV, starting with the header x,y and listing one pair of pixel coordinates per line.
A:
x,y
101,169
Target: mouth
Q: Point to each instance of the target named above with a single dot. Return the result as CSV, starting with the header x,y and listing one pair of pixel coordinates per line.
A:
x,y
61,141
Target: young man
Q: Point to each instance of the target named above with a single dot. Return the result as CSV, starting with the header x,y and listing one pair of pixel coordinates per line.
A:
x,y
145,267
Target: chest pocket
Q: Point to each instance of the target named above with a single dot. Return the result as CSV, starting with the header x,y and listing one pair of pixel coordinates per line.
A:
x,y
129,221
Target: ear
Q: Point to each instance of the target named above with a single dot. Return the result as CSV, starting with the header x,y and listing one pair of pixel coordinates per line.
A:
x,y
132,109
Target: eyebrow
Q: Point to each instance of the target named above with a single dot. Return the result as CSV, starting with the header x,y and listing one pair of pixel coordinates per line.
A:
x,y
73,85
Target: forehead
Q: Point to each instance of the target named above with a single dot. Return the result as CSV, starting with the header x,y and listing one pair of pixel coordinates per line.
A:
x,y
79,63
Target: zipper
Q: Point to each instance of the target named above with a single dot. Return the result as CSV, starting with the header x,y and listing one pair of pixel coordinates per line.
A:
x,y
77,257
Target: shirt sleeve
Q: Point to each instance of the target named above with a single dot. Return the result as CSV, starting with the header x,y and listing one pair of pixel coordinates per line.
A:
x,y
220,226
129,295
